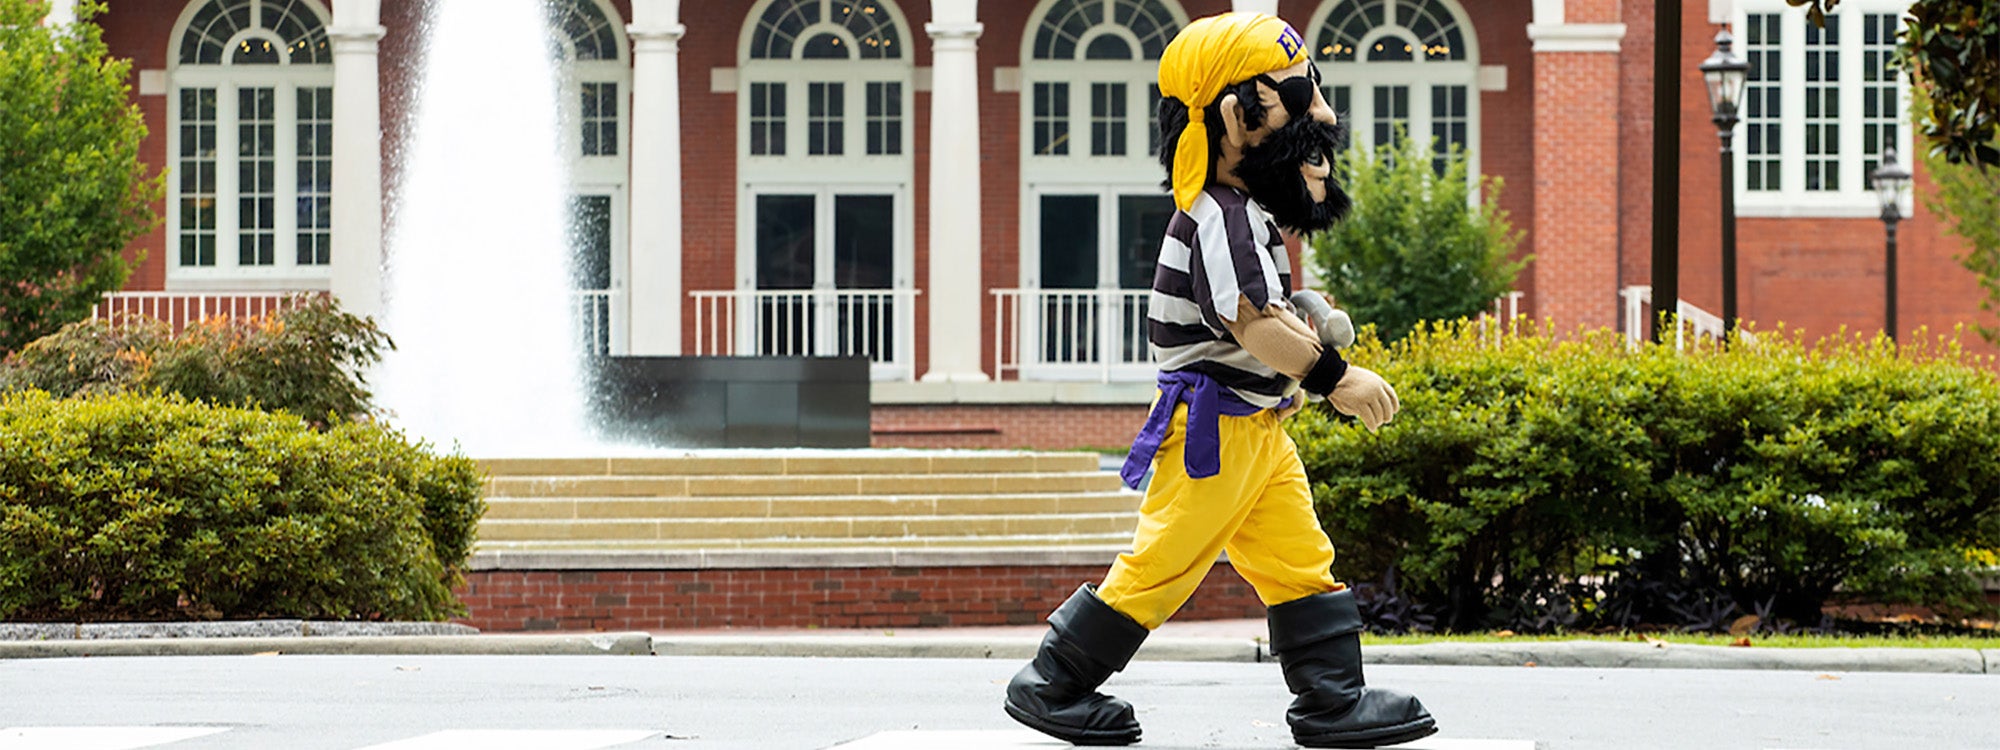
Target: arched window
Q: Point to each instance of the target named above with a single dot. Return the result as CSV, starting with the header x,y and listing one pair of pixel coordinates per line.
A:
x,y
1411,63
824,98
1093,213
588,44
251,132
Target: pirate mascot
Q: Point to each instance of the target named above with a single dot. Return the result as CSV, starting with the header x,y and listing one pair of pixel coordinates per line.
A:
x,y
1249,142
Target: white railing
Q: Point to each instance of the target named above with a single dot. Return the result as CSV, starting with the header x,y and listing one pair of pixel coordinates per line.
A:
x,y
1639,319
875,323
1072,334
180,309
593,318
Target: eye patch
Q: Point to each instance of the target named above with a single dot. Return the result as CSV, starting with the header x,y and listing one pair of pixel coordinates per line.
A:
x,y
1297,92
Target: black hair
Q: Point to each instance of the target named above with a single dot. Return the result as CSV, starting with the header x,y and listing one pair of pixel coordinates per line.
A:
x,y
1173,119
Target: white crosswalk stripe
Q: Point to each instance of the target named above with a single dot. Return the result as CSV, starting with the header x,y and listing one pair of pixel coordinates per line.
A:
x,y
97,738
132,738
516,739
1023,739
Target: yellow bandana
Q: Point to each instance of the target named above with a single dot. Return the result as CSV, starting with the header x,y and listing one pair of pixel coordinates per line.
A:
x,y
1208,55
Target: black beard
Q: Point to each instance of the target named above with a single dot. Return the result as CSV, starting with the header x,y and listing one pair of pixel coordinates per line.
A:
x,y
1271,171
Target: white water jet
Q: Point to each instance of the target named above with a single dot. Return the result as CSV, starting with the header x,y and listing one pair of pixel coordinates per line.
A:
x,y
478,285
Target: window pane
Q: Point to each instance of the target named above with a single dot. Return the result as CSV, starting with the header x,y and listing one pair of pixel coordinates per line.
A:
x,y
885,118
1762,151
197,168
784,241
1051,119
1069,241
1107,119
590,241
825,107
315,177
1142,226
1822,94
864,241
256,172
599,122
767,119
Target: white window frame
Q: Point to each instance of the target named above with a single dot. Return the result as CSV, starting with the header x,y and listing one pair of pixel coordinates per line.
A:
x,y
285,79
1137,172
1107,194
1420,75
1855,198
853,172
605,174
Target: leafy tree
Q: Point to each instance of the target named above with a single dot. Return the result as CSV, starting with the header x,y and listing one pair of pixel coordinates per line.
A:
x,y
73,193
1968,197
1952,50
1415,247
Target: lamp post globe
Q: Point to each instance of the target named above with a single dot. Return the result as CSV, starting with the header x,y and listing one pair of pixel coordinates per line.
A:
x,y
1724,73
1889,180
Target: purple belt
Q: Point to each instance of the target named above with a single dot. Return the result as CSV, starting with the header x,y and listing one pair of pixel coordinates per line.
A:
x,y
1206,399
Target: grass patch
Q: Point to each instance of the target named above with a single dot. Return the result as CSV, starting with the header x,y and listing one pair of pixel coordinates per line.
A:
x,y
1707,639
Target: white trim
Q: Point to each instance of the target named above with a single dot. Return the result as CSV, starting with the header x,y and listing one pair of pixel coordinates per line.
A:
x,y
1492,78
724,80
1006,80
1855,198
1576,37
153,82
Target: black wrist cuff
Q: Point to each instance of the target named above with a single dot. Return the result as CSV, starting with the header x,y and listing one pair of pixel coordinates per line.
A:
x,y
1325,373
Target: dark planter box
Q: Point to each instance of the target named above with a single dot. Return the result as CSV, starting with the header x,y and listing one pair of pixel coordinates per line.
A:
x,y
734,402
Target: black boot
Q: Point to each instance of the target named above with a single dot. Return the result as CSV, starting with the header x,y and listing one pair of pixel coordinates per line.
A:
x,y
1318,641
1057,692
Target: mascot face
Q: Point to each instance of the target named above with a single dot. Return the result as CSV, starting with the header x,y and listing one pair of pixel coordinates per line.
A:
x,y
1280,149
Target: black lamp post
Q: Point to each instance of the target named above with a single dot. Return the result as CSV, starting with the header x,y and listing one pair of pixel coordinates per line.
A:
x,y
1724,73
1889,180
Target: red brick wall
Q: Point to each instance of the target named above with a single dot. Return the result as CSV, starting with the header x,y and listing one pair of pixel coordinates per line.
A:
x,y
140,32
1576,185
1038,426
516,600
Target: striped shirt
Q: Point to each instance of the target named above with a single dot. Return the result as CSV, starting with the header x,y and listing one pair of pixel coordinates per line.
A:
x,y
1222,247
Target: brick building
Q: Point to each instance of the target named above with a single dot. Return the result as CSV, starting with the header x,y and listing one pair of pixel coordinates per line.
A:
x,y
966,193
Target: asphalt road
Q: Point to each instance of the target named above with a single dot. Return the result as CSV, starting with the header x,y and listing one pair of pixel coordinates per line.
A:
x,y
344,703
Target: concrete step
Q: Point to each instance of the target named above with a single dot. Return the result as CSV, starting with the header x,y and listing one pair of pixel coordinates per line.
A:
x,y
799,485
605,508
834,527
810,462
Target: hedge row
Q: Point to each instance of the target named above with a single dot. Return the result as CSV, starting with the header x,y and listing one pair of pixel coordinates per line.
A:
x,y
1538,482
135,507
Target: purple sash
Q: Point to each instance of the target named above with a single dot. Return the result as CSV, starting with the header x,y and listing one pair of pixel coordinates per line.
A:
x,y
1206,399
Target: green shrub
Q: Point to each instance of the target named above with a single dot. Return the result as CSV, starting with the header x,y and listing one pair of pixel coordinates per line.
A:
x,y
1419,245
306,360
1546,482
134,507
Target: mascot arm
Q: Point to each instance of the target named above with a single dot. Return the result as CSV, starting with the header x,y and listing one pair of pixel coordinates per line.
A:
x,y
1275,337
1282,341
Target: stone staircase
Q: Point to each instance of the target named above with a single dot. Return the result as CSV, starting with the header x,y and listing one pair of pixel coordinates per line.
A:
x,y
789,502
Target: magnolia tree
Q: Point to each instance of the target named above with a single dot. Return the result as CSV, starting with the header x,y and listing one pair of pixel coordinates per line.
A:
x,y
73,193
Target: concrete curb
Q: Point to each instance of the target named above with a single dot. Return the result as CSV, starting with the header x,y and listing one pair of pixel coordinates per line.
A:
x,y
1675,656
941,647
614,644
52,631
1539,654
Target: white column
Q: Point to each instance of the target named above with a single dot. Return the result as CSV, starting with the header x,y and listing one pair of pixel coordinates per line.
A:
x,y
653,289
60,12
357,156
954,297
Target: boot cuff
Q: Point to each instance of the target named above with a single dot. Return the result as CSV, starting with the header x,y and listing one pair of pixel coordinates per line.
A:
x,y
1313,619
1106,634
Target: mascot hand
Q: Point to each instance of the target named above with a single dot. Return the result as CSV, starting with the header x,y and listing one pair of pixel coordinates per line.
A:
x,y
1365,395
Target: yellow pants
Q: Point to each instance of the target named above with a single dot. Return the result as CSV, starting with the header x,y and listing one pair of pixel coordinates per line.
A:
x,y
1259,508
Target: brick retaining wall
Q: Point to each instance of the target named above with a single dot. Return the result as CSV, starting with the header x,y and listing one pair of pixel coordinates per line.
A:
x,y
882,597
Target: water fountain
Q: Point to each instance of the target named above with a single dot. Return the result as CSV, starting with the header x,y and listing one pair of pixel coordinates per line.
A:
x,y
478,285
